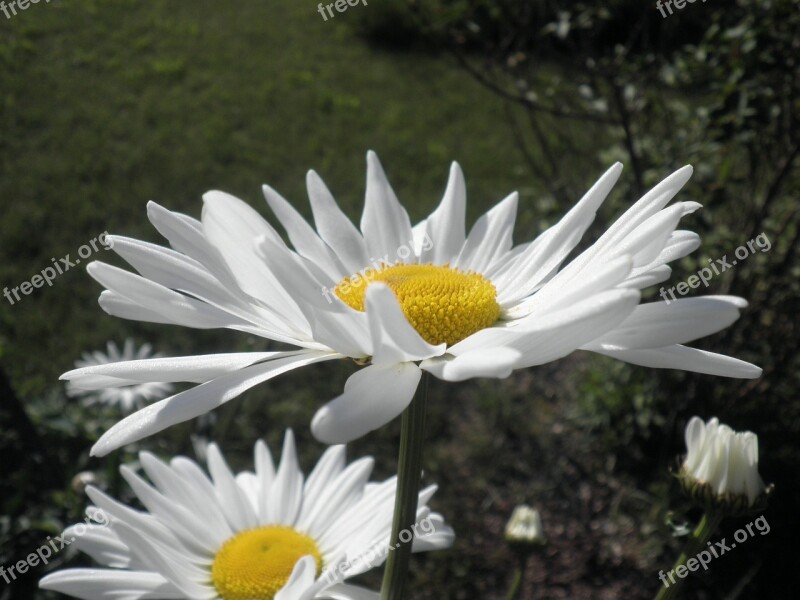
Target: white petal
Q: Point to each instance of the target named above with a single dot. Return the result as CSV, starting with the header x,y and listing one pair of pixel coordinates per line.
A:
x,y
497,362
182,491
343,491
384,223
265,476
541,259
332,323
232,226
687,359
172,306
110,584
647,278
184,523
300,580
238,510
648,205
394,340
445,226
490,237
305,240
286,494
171,564
547,337
198,400
328,467
334,227
660,324
560,292
102,545
372,397
196,369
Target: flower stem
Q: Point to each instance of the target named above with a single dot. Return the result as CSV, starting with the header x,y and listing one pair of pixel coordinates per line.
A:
x,y
409,472
519,575
696,542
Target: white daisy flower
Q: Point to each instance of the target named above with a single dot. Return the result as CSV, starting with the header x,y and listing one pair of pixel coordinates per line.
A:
x,y
128,397
252,536
721,466
402,299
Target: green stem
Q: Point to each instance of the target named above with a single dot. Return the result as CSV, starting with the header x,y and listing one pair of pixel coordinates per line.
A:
x,y
519,575
409,473
696,542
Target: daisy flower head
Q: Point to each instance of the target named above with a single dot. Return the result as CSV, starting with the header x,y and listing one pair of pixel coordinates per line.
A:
x,y
127,397
720,469
262,535
400,299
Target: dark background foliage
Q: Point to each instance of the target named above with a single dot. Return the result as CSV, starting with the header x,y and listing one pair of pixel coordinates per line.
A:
x,y
105,105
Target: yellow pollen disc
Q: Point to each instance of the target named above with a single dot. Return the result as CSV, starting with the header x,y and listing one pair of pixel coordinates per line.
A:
x,y
443,304
255,564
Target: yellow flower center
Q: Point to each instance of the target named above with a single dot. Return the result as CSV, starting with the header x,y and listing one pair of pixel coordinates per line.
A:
x,y
443,304
255,564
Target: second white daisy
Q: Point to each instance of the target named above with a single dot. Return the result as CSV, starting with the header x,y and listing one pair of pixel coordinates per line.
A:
x,y
262,535
96,390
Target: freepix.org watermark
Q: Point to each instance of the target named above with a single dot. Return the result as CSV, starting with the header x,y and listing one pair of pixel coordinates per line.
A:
x,y
339,5
668,4
95,516
716,267
403,253
367,560
715,550
10,8
59,267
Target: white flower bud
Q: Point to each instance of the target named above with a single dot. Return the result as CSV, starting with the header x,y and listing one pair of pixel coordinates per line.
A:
x,y
524,528
721,467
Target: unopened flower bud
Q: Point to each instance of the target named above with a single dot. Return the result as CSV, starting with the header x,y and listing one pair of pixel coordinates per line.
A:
x,y
81,480
524,528
720,471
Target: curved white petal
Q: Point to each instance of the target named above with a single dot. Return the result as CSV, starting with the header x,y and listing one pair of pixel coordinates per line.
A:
x,y
372,397
384,223
286,494
558,292
334,227
237,508
648,205
110,584
540,259
300,580
233,227
660,324
490,237
686,359
198,400
496,362
305,240
173,306
394,340
542,338
195,369
446,225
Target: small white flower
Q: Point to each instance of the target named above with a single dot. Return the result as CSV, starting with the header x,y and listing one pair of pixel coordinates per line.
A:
x,y
267,534
721,465
128,397
400,299
525,527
